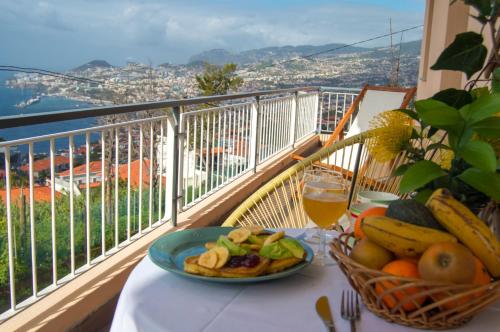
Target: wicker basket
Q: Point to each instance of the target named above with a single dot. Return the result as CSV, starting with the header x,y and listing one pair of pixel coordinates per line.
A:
x,y
446,306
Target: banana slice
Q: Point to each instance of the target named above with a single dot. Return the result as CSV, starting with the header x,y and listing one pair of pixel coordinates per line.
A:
x,y
239,235
274,237
208,259
210,245
222,256
255,229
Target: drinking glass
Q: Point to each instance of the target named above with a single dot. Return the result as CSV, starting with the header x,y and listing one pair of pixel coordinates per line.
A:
x,y
324,198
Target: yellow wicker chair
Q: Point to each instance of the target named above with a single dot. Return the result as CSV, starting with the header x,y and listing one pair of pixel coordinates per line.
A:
x,y
278,203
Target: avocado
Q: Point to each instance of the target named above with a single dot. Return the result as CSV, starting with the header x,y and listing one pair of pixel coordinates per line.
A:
x,y
275,251
234,249
293,246
412,212
254,239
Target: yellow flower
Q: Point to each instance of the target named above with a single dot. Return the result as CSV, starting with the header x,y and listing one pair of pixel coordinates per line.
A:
x,y
445,158
393,132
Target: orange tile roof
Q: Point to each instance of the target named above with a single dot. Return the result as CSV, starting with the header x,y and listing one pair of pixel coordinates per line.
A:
x,y
92,185
95,167
134,172
41,194
43,164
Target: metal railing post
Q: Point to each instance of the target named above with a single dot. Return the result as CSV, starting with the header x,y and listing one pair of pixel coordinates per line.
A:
x,y
319,107
293,119
180,169
175,164
172,178
255,132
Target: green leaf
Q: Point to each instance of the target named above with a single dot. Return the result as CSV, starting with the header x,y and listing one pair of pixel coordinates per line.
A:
x,y
401,169
489,127
482,6
495,84
479,92
480,155
437,113
434,146
419,174
481,109
453,97
486,182
466,54
423,195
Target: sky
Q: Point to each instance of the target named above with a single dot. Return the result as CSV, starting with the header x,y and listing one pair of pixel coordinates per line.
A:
x,y
63,34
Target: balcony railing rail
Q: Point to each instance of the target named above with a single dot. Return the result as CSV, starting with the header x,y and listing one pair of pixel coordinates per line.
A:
x,y
73,198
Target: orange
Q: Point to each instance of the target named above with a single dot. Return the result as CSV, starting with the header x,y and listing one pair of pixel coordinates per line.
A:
x,y
481,277
402,268
373,211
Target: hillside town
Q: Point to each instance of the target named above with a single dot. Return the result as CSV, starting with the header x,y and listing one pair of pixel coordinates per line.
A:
x,y
136,82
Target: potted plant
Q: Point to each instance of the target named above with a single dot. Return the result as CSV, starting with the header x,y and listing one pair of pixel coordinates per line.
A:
x,y
452,140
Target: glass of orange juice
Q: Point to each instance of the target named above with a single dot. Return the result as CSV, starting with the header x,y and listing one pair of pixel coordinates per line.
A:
x,y
324,198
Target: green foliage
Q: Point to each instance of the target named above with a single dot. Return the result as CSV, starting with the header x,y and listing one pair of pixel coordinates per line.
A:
x,y
486,182
453,97
468,123
217,80
480,155
496,81
44,240
466,54
419,174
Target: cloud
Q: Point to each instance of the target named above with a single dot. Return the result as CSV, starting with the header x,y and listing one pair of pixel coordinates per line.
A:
x,y
40,14
174,30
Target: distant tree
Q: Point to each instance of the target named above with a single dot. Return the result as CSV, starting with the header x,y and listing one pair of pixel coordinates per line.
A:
x,y
215,80
218,80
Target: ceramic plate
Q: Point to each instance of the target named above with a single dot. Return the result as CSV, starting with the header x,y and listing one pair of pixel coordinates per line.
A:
x,y
170,250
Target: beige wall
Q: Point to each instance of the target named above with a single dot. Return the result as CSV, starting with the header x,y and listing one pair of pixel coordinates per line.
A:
x,y
442,23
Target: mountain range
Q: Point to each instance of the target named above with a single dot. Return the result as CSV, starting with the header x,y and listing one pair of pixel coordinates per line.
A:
x,y
93,64
269,54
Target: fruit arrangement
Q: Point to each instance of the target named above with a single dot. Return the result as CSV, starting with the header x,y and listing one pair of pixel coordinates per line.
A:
x,y
422,263
246,252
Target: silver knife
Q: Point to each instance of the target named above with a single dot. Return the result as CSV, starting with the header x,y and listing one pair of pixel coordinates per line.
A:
x,y
323,310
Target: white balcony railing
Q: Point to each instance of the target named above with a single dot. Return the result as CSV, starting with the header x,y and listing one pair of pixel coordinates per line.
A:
x,y
71,199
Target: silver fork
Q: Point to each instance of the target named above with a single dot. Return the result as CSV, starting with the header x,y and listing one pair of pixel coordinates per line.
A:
x,y
349,308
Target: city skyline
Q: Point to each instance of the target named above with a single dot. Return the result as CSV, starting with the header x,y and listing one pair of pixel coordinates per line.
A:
x,y
60,35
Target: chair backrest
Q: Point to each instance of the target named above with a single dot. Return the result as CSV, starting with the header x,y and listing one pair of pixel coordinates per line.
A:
x,y
374,103
278,203
374,100
371,101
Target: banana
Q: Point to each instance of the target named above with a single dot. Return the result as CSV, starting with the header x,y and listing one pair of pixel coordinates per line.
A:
x,y
210,245
239,235
222,256
402,238
255,229
208,259
467,227
273,237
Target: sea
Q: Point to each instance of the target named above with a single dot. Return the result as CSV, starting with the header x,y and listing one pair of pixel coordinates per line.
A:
x,y
9,97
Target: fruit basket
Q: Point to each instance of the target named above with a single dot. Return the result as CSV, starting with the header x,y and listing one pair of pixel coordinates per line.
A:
x,y
413,302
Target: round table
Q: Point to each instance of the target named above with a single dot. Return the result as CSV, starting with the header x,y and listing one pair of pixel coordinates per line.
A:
x,y
156,300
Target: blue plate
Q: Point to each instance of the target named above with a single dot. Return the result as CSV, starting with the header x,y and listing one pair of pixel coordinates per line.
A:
x,y
170,250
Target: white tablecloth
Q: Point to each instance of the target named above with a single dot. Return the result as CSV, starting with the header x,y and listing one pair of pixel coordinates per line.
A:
x,y
156,300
